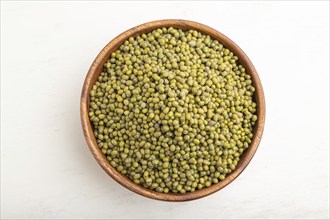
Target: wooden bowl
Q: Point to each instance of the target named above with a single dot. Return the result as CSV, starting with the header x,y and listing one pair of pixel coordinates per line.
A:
x,y
96,69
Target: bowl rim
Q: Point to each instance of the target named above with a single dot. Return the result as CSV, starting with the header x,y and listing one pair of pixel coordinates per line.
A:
x,y
96,69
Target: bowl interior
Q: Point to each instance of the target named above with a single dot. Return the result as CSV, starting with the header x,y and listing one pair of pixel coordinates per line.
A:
x,y
97,68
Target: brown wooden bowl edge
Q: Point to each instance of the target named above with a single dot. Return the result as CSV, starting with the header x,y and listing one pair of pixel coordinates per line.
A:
x,y
126,182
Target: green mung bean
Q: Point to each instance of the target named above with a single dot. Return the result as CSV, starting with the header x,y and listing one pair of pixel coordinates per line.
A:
x,y
173,110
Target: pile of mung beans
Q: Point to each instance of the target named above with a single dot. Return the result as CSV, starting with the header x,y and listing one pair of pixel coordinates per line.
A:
x,y
173,110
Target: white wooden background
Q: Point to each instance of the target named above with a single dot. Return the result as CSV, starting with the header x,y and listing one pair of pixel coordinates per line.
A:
x,y
47,170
